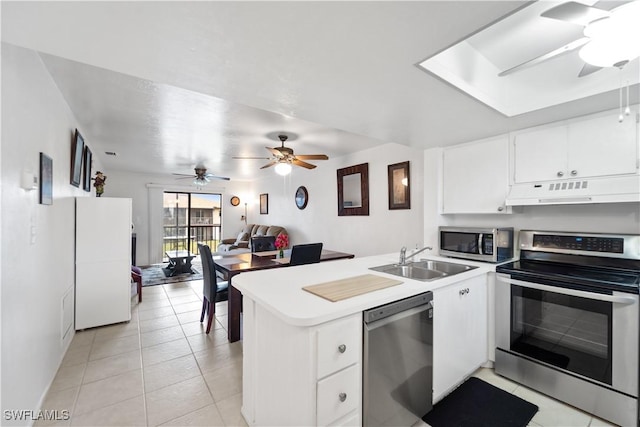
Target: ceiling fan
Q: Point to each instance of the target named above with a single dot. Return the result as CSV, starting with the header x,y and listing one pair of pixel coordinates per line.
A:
x,y
201,176
283,157
610,36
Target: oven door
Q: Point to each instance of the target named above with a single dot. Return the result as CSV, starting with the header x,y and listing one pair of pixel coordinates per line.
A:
x,y
587,334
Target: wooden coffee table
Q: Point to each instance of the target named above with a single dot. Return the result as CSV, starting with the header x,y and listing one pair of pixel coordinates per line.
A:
x,y
179,262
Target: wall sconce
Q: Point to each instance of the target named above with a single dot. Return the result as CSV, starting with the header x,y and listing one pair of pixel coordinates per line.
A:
x,y
28,181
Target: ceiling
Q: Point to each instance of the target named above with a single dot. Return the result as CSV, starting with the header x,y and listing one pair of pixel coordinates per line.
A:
x,y
182,83
475,64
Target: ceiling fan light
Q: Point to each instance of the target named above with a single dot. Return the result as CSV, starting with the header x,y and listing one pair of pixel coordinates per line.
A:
x,y
607,54
200,182
283,169
615,39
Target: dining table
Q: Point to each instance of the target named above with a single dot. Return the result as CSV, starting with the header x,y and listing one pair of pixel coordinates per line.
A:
x,y
233,264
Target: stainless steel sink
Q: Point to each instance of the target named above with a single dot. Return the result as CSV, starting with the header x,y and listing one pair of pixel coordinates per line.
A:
x,y
423,270
448,268
410,272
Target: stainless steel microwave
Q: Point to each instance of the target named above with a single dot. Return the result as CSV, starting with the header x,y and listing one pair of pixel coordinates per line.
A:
x,y
480,244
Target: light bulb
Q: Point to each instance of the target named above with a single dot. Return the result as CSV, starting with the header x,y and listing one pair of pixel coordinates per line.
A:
x,y
614,39
200,182
283,169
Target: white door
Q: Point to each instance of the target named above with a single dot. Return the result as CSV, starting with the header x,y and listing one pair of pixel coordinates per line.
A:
x,y
602,146
476,177
459,333
540,155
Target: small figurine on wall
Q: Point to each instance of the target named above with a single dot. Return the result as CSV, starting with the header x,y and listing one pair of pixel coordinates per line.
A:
x,y
99,183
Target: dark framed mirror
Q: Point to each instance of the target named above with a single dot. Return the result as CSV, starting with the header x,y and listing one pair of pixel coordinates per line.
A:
x,y
353,190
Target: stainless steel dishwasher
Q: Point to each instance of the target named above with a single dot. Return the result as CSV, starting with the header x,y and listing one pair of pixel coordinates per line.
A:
x,y
398,362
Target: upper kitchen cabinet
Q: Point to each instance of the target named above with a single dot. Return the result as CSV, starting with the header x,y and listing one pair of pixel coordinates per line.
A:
x,y
602,146
540,154
476,177
592,146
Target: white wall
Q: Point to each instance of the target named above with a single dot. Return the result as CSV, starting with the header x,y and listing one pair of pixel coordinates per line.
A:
x,y
35,273
603,218
138,187
383,231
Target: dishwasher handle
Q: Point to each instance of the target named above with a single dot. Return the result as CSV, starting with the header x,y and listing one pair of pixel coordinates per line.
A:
x,y
378,313
390,319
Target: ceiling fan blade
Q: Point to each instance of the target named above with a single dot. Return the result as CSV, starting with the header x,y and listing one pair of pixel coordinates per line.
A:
x,y
574,12
588,69
209,176
275,152
312,157
303,164
184,174
269,165
254,158
540,59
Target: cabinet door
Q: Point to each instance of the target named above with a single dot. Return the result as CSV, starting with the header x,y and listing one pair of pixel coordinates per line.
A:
x,y
602,146
476,177
540,155
459,333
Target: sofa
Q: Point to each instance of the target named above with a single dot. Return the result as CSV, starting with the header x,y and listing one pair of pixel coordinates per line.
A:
x,y
242,242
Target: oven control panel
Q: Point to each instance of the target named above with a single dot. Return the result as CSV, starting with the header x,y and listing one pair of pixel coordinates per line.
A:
x,y
613,245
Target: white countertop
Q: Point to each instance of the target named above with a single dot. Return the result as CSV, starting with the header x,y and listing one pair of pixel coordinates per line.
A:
x,y
280,290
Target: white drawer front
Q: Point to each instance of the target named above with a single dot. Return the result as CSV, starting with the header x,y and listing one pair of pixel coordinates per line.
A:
x,y
337,395
339,344
351,420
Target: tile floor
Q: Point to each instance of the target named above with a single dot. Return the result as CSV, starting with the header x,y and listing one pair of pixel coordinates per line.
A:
x,y
158,369
161,369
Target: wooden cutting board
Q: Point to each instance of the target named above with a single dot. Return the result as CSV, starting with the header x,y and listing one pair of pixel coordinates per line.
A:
x,y
338,290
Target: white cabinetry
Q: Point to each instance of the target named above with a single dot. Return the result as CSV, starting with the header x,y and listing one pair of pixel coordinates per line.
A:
x,y
592,146
103,261
540,154
459,333
301,375
476,177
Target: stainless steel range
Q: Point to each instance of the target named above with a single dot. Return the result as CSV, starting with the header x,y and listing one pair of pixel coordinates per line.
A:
x,y
567,320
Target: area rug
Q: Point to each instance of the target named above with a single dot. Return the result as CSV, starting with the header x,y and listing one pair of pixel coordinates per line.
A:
x,y
154,275
479,404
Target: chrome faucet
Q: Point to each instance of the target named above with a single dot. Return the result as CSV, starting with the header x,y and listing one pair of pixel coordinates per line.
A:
x,y
404,257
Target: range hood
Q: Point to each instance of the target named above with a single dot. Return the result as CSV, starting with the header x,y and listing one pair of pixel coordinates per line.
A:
x,y
613,189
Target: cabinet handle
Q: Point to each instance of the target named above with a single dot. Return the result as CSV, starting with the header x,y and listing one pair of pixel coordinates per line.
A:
x,y
574,172
560,174
342,397
500,208
464,291
342,348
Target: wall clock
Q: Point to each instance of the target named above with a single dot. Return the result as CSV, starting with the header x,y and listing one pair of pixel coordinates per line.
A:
x,y
235,201
302,197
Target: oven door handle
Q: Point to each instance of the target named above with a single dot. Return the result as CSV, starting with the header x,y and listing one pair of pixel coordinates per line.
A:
x,y
571,292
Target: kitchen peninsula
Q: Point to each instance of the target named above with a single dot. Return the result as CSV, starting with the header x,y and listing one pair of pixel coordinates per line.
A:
x,y
302,354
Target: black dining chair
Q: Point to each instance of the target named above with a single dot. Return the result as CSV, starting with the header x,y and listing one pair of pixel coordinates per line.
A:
x,y
308,253
213,291
263,243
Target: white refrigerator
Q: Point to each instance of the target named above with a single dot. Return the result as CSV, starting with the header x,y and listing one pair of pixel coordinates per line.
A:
x,y
103,261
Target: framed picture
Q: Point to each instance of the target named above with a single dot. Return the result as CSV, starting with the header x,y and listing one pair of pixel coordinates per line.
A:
x,y
46,180
353,190
86,179
264,203
399,186
77,150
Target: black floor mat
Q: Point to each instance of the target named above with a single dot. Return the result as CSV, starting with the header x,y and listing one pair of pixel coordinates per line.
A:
x,y
476,403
